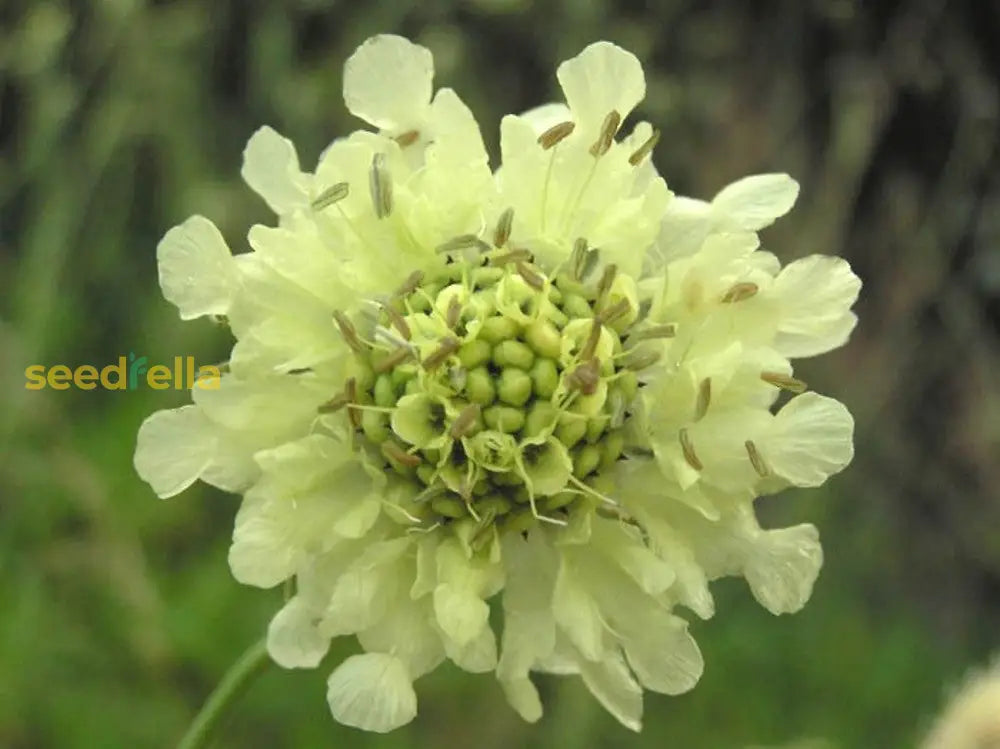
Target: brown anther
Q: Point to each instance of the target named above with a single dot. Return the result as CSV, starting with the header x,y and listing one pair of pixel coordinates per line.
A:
x,y
502,233
616,310
578,258
556,133
585,377
348,332
783,381
608,129
454,313
704,399
410,285
669,330
513,256
380,186
437,357
756,460
645,149
331,195
607,278
740,291
398,322
394,452
465,421
408,138
351,393
398,356
333,405
462,242
531,278
688,449
639,359
593,337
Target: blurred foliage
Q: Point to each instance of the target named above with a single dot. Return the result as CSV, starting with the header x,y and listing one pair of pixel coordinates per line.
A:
x,y
119,118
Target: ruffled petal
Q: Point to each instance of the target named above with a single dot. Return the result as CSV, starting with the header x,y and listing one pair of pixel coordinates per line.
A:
x,y
373,692
197,272
602,78
810,440
611,683
271,169
755,202
173,449
782,567
293,639
388,82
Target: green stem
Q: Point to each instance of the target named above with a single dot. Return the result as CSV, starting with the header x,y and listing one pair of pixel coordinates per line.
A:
x,y
202,729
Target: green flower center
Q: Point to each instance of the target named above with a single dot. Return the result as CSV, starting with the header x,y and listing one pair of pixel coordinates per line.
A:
x,y
497,391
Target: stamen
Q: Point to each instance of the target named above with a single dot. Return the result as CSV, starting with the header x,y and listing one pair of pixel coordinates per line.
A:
x,y
531,278
396,357
639,359
397,321
462,242
783,381
330,196
386,336
688,449
756,460
410,284
454,313
585,377
739,292
351,391
607,278
392,451
593,338
380,186
555,134
514,256
465,421
608,129
645,149
704,399
408,138
669,330
333,405
448,347
348,332
613,312
432,491
504,224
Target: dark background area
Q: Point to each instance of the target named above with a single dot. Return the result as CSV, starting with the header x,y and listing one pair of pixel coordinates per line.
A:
x,y
118,119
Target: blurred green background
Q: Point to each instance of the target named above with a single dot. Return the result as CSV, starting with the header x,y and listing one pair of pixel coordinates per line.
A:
x,y
118,119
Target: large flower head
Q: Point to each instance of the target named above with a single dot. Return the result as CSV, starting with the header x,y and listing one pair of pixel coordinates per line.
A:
x,y
551,389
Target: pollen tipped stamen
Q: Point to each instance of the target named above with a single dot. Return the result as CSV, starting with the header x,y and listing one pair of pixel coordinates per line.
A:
x,y
331,195
453,314
534,280
380,186
593,338
609,128
704,399
668,330
640,359
408,138
740,292
585,377
466,421
687,448
514,256
395,453
398,322
504,225
756,460
351,393
410,285
645,149
615,311
785,382
347,331
607,279
393,360
448,347
582,260
462,242
551,137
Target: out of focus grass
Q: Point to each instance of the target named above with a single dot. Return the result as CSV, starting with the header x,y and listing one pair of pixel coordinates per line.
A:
x,y
120,118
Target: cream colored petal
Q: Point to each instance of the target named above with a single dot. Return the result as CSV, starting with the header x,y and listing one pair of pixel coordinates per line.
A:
x,y
546,116
293,640
271,169
173,448
782,567
810,440
197,272
663,654
388,82
373,692
611,683
264,552
577,614
461,615
755,202
815,295
602,78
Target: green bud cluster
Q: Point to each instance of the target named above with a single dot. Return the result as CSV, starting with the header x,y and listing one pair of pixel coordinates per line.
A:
x,y
500,393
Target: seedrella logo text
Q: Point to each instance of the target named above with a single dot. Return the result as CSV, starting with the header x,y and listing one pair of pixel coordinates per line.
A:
x,y
128,373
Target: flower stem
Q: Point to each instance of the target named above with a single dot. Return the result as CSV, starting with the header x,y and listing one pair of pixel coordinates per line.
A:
x,y
249,665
